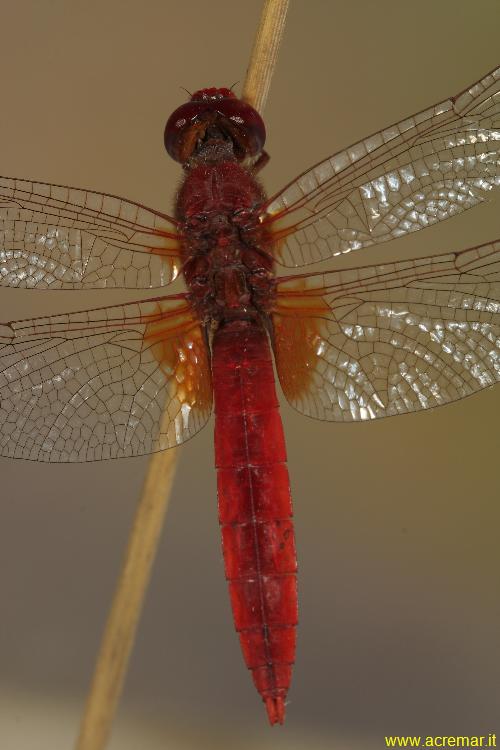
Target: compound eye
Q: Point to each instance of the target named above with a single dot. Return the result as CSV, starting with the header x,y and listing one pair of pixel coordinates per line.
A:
x,y
244,125
183,128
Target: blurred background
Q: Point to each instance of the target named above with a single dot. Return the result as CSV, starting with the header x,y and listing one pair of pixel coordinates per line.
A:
x,y
397,521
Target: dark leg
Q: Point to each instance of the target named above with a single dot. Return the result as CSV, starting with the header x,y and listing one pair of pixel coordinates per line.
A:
x,y
260,163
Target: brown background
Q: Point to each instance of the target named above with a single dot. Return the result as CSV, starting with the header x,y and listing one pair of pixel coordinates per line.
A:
x,y
397,521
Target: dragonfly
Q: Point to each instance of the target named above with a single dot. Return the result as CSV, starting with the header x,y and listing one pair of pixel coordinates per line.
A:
x,y
348,345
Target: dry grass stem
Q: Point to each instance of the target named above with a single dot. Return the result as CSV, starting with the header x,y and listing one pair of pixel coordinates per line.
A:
x,y
121,625
265,53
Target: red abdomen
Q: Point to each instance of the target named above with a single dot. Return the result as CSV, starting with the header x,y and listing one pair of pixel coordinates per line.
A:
x,y
255,507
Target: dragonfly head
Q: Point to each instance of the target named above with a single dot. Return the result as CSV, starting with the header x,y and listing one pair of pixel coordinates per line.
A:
x,y
212,111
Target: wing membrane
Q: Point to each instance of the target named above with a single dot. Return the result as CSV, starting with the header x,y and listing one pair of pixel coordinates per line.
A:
x,y
390,339
415,173
106,383
59,237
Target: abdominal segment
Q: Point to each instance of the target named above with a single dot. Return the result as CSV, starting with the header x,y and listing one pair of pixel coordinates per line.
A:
x,y
255,507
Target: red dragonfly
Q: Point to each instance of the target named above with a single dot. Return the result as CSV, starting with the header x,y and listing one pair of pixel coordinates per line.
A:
x,y
351,345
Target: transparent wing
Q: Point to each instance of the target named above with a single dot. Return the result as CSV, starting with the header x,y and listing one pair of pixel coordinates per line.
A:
x,y
415,173
389,339
116,381
57,237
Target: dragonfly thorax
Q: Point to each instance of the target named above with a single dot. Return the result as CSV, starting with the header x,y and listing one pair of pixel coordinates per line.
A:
x,y
229,281
225,263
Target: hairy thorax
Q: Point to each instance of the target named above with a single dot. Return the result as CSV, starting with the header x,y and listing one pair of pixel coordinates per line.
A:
x,y
225,260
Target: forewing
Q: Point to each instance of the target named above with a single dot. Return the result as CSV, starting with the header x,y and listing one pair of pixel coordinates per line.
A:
x,y
106,383
390,339
415,173
57,237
